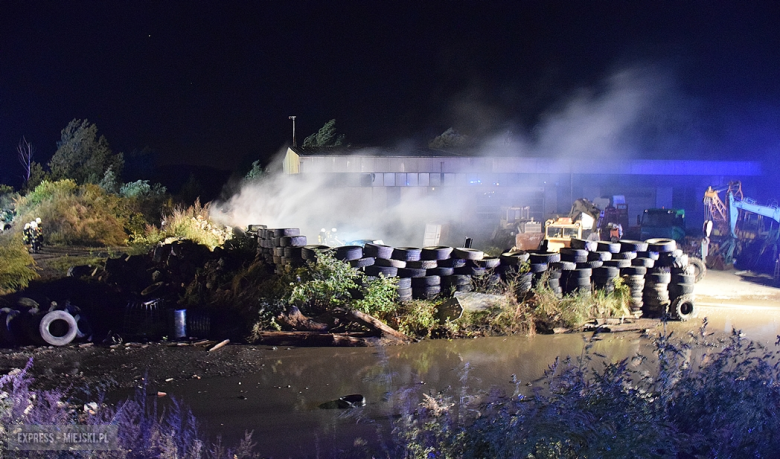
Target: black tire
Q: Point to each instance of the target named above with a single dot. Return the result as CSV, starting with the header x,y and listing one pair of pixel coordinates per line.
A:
x,y
581,273
544,257
563,265
295,253
659,277
618,263
452,263
64,325
457,279
471,271
661,245
574,258
634,271
404,282
386,271
440,271
683,279
310,252
425,281
646,262
390,263
684,308
699,268
590,246
607,271
514,258
377,250
591,264
627,245
435,253
573,252
468,254
489,262
421,264
282,232
607,246
405,294
292,241
599,256
647,254
412,272
406,253
624,256
362,262
538,267
349,252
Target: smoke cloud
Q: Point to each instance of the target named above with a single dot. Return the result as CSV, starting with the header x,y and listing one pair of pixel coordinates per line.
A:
x,y
596,122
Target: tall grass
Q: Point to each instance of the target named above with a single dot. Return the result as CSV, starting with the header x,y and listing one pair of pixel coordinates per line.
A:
x,y
190,223
74,215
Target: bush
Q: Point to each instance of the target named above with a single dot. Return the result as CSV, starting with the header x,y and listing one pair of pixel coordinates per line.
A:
x,y
18,267
191,223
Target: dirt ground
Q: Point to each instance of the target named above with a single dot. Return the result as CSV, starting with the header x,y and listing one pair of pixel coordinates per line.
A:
x,y
128,365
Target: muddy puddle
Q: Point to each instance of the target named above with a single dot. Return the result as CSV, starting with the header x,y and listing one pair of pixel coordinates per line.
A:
x,y
280,401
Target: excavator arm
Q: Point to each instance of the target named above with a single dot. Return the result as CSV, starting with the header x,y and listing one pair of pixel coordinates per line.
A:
x,y
735,206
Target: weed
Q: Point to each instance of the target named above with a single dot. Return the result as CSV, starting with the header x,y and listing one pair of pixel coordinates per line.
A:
x,y
417,318
380,297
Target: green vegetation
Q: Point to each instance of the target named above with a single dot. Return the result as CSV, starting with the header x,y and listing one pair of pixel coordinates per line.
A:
x,y
325,137
83,156
190,223
17,268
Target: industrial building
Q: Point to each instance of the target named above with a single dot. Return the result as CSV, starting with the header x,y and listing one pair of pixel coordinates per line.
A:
x,y
489,183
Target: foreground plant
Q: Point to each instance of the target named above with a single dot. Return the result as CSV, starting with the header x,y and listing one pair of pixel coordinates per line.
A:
x,y
144,431
699,399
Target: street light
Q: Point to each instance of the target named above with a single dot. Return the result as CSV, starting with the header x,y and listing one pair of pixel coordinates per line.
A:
x,y
293,120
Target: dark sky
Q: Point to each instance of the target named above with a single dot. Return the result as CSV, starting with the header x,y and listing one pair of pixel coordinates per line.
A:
x,y
213,83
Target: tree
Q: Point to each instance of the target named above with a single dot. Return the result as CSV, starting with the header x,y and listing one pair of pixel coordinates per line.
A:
x,y
448,139
25,154
83,156
255,172
325,137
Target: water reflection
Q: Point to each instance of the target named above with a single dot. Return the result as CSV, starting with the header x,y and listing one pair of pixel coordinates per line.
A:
x,y
280,400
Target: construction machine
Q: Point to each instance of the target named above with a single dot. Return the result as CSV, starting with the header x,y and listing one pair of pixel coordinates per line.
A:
x,y
559,232
670,224
752,239
517,228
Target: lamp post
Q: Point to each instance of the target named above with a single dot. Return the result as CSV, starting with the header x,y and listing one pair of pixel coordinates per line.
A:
x,y
293,122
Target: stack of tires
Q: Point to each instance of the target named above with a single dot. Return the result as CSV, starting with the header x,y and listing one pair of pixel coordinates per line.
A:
x,y
576,281
656,292
510,267
540,264
281,246
604,278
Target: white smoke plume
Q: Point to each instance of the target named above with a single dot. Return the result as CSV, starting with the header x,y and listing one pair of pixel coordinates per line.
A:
x,y
592,123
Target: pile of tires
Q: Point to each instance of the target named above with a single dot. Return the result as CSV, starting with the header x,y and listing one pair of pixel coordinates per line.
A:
x,y
280,246
656,292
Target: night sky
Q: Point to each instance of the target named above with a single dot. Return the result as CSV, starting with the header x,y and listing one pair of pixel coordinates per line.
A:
x,y
213,83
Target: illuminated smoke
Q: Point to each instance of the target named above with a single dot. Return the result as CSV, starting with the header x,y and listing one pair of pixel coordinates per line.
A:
x,y
593,123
